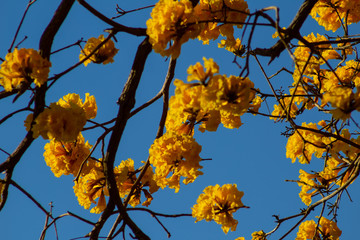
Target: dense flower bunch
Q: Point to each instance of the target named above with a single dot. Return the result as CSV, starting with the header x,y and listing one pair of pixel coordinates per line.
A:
x,y
258,235
210,12
304,56
338,154
65,158
92,186
126,177
314,86
304,143
171,21
63,120
175,22
211,99
286,108
237,48
174,156
332,13
325,230
218,204
104,54
23,66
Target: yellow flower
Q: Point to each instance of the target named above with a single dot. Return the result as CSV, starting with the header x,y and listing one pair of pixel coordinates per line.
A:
x,y
104,54
302,55
209,12
330,13
90,187
171,22
126,177
218,204
175,156
342,99
59,123
326,230
23,65
304,143
63,120
196,72
89,105
259,235
280,113
233,46
67,157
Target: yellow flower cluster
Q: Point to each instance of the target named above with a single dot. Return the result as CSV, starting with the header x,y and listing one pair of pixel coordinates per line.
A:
x,y
218,204
258,235
23,65
171,21
212,100
338,154
65,158
338,90
103,55
330,13
283,109
175,156
307,77
92,186
63,120
325,230
230,12
302,56
304,143
126,177
175,22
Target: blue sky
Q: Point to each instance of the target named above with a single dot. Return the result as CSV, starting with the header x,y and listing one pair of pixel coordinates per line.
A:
x,y
252,156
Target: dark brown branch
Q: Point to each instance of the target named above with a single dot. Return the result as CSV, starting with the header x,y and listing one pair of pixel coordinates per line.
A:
x,y
20,24
45,49
126,103
293,31
117,27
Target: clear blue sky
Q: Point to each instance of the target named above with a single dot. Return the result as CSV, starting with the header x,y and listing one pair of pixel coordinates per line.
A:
x,y
252,156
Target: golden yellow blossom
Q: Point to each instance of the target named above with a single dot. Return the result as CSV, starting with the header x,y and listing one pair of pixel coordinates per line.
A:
x,y
90,187
175,156
209,12
197,72
343,100
303,56
63,120
171,22
330,13
259,235
304,143
282,110
218,204
126,177
213,99
233,46
89,105
23,65
67,157
326,230
104,54
59,123
307,184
